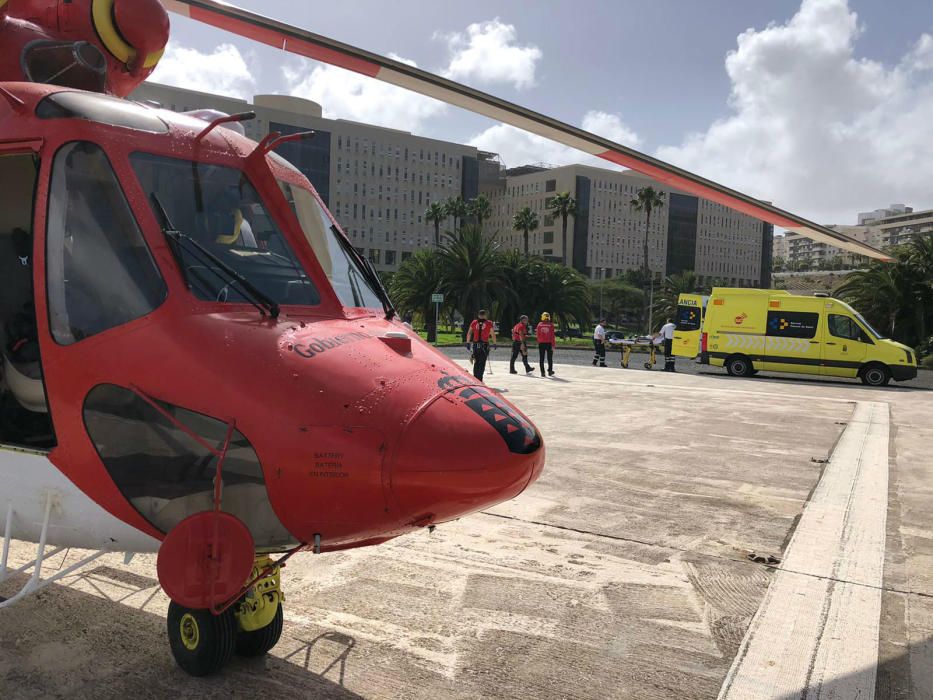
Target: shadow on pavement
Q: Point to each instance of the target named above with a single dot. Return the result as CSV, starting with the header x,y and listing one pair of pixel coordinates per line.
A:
x,y
908,676
66,643
799,379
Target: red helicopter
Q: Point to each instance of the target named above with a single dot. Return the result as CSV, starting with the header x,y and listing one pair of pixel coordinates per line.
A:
x,y
196,361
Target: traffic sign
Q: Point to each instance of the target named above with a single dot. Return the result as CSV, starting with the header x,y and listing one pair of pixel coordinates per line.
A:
x,y
437,298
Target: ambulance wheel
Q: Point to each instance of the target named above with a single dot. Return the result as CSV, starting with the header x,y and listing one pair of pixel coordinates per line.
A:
x,y
739,366
259,642
875,375
201,643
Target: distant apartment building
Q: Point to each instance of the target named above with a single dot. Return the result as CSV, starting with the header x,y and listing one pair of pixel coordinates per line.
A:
x,y
882,228
377,182
607,235
866,218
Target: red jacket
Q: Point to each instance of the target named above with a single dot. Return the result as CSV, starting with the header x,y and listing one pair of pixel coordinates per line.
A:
x,y
519,332
478,335
544,332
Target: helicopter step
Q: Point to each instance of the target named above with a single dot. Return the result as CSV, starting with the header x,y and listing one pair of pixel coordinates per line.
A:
x,y
36,582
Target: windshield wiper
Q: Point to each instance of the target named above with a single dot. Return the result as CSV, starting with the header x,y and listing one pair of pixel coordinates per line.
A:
x,y
256,297
369,274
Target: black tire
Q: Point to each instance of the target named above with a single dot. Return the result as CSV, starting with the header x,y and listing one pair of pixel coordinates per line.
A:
x,y
875,375
259,642
201,643
739,366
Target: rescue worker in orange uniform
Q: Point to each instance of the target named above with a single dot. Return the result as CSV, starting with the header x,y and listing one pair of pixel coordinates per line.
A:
x,y
519,333
482,332
544,332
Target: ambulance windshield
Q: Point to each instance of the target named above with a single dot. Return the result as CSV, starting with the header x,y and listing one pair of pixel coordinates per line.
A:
x,y
868,326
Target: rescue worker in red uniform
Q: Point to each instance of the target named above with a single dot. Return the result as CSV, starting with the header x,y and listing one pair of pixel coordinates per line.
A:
x,y
519,333
482,332
544,332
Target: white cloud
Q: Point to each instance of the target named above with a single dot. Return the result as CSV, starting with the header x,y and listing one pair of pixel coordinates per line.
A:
x,y
223,71
517,147
487,53
816,129
344,94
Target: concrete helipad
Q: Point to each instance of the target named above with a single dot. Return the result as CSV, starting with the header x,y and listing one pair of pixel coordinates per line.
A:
x,y
623,573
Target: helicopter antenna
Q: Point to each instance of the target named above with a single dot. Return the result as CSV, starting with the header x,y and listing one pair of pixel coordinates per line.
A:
x,y
272,141
226,119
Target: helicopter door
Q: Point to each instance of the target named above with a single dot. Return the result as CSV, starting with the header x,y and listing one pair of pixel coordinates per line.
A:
x,y
24,417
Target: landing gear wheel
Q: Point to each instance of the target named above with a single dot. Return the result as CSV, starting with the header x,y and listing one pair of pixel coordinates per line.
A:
x,y
260,641
739,366
875,375
201,643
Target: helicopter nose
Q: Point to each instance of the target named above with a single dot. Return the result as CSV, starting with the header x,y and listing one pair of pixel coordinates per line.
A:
x,y
467,450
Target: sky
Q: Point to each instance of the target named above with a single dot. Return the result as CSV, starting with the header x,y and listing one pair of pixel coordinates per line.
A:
x,y
824,107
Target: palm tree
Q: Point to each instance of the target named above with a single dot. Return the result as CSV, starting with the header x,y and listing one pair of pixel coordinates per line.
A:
x,y
647,200
896,297
480,209
435,214
563,291
525,221
456,208
564,206
413,284
672,287
472,270
518,295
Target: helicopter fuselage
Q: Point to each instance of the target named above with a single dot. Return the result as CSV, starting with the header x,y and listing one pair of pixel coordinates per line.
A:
x,y
335,423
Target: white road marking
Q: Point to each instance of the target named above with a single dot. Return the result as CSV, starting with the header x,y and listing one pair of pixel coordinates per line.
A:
x,y
815,634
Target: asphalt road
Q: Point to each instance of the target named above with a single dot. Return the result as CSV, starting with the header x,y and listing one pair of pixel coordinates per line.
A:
x,y
583,358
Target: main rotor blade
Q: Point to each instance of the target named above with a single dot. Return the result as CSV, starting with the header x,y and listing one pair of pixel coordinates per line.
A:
x,y
304,43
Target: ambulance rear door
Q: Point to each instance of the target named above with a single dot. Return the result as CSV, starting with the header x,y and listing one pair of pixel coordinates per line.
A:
x,y
690,311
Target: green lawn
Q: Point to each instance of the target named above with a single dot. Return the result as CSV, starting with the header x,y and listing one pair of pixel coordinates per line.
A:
x,y
447,338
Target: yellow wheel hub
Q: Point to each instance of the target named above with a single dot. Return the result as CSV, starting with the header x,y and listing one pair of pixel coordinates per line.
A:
x,y
189,632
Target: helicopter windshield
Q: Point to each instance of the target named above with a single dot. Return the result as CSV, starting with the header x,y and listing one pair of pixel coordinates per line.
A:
x,y
220,210
342,269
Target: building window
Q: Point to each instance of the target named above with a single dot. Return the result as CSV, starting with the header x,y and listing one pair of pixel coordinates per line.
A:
x,y
550,186
390,257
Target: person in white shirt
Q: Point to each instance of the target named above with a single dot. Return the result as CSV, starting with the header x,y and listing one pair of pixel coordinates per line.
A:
x,y
667,335
599,344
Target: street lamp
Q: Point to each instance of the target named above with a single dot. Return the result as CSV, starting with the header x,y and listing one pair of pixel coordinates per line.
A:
x,y
602,275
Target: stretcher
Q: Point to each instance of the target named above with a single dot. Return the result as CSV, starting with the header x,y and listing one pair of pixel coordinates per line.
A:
x,y
626,345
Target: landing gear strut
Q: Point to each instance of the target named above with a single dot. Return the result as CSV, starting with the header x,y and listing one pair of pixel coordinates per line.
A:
x,y
203,642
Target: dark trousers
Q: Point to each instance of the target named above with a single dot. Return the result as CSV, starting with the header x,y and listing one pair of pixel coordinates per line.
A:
x,y
516,351
668,355
546,349
599,355
480,354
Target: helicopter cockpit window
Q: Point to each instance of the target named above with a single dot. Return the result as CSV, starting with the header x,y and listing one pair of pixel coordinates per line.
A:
x,y
344,272
100,108
100,271
220,211
167,475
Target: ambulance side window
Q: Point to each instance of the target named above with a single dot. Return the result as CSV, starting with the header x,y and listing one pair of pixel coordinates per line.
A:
x,y
688,318
792,324
844,327
100,271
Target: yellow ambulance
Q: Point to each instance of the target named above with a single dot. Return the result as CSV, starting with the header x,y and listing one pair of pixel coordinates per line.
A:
x,y
747,330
